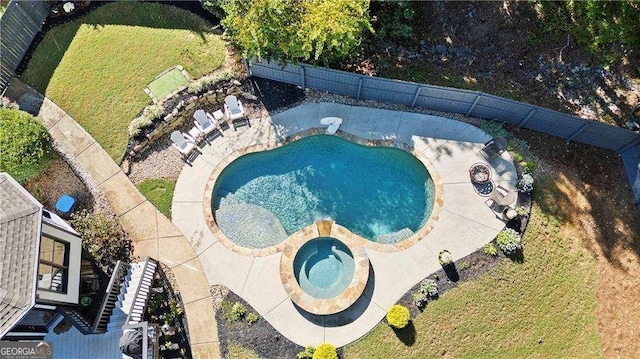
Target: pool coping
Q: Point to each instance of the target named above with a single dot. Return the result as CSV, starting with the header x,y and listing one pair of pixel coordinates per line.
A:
x,y
422,232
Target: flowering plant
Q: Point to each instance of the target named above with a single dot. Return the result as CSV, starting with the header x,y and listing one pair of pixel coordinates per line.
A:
x,y
445,257
509,241
429,287
525,184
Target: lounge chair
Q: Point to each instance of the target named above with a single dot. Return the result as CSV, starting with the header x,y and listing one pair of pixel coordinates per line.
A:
x,y
495,147
204,125
184,143
234,111
501,199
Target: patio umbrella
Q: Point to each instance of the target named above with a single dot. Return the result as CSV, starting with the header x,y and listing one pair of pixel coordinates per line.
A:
x,y
131,342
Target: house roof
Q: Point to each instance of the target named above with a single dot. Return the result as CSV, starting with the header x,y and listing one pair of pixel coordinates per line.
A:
x,y
20,229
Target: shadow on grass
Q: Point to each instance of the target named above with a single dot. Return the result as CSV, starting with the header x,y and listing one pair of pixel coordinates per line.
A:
x,y
407,335
150,15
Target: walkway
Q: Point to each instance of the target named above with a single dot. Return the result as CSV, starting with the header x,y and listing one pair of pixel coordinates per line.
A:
x,y
152,233
465,224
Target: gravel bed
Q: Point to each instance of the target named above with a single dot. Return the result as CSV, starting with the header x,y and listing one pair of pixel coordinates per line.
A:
x,y
100,203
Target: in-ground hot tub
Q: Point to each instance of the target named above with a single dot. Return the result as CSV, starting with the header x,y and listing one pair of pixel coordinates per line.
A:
x,y
323,267
324,275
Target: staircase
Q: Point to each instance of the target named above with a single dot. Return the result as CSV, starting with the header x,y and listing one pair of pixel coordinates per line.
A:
x,y
111,297
132,300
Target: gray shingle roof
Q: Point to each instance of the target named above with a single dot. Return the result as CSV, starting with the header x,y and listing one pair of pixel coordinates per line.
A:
x,y
20,216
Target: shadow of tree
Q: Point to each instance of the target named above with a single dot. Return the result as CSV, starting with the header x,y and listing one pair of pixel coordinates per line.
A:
x,y
159,16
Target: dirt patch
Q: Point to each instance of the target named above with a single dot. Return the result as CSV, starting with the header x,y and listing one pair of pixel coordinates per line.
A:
x,y
56,180
500,48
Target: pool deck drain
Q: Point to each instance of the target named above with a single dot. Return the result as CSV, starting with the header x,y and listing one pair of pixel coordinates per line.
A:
x,y
464,225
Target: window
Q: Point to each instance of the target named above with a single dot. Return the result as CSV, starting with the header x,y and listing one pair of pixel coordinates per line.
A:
x,y
53,268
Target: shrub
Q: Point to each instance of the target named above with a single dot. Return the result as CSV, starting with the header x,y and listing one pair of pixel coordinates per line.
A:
x,y
307,353
429,287
237,311
398,316
202,84
102,236
464,265
509,241
525,184
25,145
521,211
252,318
149,114
325,351
445,257
490,249
419,299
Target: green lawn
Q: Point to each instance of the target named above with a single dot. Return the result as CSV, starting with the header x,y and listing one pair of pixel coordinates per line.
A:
x,y
502,314
167,83
159,191
96,67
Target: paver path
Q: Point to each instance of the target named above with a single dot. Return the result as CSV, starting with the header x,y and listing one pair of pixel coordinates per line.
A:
x,y
152,233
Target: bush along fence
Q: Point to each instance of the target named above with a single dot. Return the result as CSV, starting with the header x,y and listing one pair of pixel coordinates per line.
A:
x,y
20,23
470,103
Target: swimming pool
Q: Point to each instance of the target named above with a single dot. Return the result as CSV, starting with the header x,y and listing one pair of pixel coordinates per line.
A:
x,y
383,194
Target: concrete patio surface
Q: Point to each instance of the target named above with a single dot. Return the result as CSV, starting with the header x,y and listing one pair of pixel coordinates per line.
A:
x,y
466,223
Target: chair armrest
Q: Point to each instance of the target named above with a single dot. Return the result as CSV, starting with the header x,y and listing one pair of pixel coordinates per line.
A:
x,y
189,138
197,126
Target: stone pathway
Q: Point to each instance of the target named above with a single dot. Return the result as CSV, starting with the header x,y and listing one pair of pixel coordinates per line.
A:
x,y
152,233
464,225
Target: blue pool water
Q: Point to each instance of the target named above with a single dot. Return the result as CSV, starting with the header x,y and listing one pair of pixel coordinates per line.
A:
x,y
382,194
323,267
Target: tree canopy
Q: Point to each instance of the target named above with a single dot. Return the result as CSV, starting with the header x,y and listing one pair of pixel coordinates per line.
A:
x,y
296,30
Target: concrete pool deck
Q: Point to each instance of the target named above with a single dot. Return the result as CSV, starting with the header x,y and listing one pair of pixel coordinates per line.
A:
x,y
465,223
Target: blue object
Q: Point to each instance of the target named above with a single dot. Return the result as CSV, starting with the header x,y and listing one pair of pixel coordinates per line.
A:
x,y
65,204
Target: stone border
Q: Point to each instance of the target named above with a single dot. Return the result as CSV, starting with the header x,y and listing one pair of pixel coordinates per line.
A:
x,y
261,252
349,295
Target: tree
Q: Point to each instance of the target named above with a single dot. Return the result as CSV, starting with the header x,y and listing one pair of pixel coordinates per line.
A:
x,y
25,145
296,30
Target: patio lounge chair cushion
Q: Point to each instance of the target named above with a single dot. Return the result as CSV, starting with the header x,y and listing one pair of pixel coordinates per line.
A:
x,y
233,108
495,147
504,197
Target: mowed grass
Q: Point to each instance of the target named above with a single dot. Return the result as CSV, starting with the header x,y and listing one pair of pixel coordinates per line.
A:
x,y
159,191
551,296
96,67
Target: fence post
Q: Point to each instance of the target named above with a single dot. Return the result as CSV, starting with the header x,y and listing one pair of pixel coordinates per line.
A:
x,y
302,75
573,135
415,97
247,67
359,87
478,95
533,110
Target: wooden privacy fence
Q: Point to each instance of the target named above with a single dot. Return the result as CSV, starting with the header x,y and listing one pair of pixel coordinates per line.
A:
x,y
470,103
19,24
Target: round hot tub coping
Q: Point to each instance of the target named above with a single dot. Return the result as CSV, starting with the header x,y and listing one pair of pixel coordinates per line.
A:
x,y
261,252
317,306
